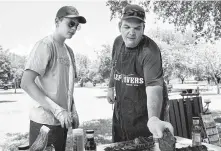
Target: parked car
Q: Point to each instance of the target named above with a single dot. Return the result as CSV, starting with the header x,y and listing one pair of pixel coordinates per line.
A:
x,y
6,86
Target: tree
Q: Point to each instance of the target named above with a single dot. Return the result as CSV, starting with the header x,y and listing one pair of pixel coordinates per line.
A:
x,y
116,6
176,49
94,74
17,67
5,65
104,57
202,16
167,57
209,59
82,65
183,62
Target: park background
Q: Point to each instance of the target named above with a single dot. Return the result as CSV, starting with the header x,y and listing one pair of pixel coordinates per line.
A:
x,y
187,32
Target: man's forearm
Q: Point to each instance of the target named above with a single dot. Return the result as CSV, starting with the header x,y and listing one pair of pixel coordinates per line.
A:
x,y
154,100
35,93
111,81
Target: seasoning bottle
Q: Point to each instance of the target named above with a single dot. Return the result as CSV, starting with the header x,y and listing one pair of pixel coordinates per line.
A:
x,y
90,144
78,139
196,132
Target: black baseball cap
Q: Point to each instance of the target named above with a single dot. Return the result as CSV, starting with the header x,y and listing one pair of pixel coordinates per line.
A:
x,y
70,12
134,11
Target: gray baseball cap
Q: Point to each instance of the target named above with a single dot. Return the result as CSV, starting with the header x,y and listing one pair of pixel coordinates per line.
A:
x,y
70,12
134,11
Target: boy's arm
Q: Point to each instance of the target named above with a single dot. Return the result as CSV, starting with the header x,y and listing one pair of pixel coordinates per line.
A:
x,y
28,85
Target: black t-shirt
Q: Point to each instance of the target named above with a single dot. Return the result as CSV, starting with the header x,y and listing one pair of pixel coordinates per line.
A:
x,y
148,61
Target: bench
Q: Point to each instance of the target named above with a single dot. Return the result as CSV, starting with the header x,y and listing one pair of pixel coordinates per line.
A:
x,y
181,112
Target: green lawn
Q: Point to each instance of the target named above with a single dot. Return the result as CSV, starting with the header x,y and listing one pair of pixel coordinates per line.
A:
x,y
102,129
90,103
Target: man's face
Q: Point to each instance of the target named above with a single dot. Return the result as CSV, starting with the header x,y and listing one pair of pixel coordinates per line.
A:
x,y
131,31
67,27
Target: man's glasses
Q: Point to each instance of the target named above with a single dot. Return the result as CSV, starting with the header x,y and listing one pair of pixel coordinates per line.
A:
x,y
72,24
134,12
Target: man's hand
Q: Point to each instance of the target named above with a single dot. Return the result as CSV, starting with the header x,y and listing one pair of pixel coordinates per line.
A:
x,y
65,118
110,95
156,127
75,120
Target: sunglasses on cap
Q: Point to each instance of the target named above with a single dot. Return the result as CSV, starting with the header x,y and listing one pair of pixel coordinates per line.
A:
x,y
134,12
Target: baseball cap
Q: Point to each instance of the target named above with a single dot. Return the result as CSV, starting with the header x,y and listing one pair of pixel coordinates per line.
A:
x,y
134,11
70,12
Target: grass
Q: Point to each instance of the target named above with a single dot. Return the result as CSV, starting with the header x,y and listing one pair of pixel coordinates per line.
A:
x,y
13,141
13,108
102,128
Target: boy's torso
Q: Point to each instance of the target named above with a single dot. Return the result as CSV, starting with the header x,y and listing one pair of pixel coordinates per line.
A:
x,y
54,83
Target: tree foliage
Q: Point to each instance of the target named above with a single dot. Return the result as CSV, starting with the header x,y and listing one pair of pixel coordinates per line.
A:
x,y
94,70
104,57
176,49
209,61
11,66
82,64
17,66
202,16
5,65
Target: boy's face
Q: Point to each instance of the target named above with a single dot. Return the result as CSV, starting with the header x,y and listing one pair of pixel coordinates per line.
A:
x,y
67,27
132,31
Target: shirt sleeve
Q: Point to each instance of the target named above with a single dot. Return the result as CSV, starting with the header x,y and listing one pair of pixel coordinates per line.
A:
x,y
153,71
39,58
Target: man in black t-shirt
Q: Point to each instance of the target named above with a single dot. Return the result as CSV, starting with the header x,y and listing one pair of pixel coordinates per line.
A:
x,y
137,77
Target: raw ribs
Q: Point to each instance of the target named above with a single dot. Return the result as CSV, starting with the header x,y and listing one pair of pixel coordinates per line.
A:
x,y
138,144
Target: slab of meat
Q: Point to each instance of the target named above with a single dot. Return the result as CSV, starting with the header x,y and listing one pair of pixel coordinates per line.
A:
x,y
167,142
138,144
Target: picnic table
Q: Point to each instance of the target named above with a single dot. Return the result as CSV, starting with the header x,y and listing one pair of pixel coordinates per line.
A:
x,y
181,142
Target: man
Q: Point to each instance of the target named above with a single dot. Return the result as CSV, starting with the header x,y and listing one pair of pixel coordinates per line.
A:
x,y
137,77
49,80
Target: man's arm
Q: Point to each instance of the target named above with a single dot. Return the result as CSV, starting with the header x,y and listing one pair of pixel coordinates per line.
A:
x,y
75,117
110,91
154,100
28,85
154,106
153,75
111,80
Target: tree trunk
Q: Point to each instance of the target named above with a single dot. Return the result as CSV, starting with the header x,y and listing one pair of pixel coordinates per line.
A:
x,y
208,79
182,79
216,82
218,90
218,79
214,76
15,85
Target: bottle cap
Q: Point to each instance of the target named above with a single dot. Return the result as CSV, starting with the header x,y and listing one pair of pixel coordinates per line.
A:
x,y
89,131
78,131
196,118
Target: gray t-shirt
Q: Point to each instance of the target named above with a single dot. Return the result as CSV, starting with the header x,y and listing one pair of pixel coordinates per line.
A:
x,y
52,62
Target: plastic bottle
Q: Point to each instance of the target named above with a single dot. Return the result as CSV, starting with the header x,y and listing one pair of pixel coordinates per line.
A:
x,y
196,132
78,139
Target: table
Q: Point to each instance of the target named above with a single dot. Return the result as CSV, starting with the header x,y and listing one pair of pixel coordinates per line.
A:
x,y
181,142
